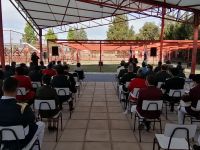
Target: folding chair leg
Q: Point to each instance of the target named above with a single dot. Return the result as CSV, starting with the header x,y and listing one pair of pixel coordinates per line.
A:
x,y
160,126
154,122
139,130
134,123
61,122
154,143
57,130
166,112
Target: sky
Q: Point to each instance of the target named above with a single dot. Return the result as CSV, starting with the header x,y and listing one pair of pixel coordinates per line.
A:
x,y
14,21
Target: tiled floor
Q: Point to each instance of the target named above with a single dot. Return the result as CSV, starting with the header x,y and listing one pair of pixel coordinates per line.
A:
x,y
98,123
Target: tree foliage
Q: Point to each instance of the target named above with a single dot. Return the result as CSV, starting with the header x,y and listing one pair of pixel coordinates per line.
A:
x,y
50,35
29,35
74,34
178,31
150,31
119,29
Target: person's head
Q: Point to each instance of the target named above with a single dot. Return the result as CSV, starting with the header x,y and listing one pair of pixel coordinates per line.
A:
x,y
168,62
196,78
131,60
179,63
174,71
151,80
53,62
10,87
60,70
159,63
126,65
143,64
41,63
31,64
7,67
36,68
50,65
130,67
78,64
19,70
139,74
46,79
58,62
66,68
122,63
164,67
13,63
150,67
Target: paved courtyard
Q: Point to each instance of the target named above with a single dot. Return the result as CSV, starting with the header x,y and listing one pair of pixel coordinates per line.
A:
x,y
98,123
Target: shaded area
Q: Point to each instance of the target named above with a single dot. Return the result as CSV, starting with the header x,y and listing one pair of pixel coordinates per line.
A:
x,y
100,77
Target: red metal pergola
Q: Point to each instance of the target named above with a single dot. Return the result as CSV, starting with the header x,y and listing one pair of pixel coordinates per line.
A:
x,y
84,13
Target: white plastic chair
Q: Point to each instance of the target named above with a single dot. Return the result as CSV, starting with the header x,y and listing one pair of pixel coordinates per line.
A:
x,y
21,91
62,91
149,105
160,85
175,137
45,105
16,133
36,85
135,92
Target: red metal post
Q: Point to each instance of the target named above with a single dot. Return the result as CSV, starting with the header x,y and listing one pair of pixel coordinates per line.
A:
x,y
195,42
77,56
100,61
40,42
162,33
1,39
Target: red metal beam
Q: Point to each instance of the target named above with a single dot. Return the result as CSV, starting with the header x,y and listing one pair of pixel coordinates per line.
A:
x,y
162,33
1,39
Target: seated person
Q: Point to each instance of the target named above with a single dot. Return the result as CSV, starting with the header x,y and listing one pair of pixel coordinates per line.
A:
x,y
71,78
35,75
127,77
174,83
62,81
13,113
162,75
49,71
80,71
123,71
24,82
159,67
143,70
120,67
46,92
191,98
42,65
150,70
149,93
8,72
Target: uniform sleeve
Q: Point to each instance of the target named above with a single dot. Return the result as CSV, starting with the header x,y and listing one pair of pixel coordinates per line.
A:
x,y
28,116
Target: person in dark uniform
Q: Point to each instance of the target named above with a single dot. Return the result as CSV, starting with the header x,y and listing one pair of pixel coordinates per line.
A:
x,y
13,114
123,71
35,58
62,81
36,74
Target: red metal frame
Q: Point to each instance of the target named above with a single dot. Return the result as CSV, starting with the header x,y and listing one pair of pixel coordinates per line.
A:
x,y
1,38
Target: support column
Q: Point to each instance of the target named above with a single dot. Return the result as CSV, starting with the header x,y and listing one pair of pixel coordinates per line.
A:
x,y
40,42
162,33
195,42
100,61
77,56
2,56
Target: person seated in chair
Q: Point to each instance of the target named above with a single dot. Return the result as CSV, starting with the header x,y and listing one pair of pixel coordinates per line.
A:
x,y
79,70
173,83
162,75
49,71
150,93
159,67
35,74
192,99
71,78
13,114
62,81
120,67
123,71
24,82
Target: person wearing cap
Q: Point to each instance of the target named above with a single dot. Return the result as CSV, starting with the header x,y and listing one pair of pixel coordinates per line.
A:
x,y
192,97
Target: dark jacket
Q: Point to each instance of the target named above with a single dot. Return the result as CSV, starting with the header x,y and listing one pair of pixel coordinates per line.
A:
x,y
193,97
47,93
36,76
122,72
127,77
61,81
149,93
161,76
72,82
174,83
12,114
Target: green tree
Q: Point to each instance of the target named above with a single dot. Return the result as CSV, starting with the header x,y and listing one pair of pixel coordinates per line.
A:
x,y
119,29
29,35
74,34
150,31
50,35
